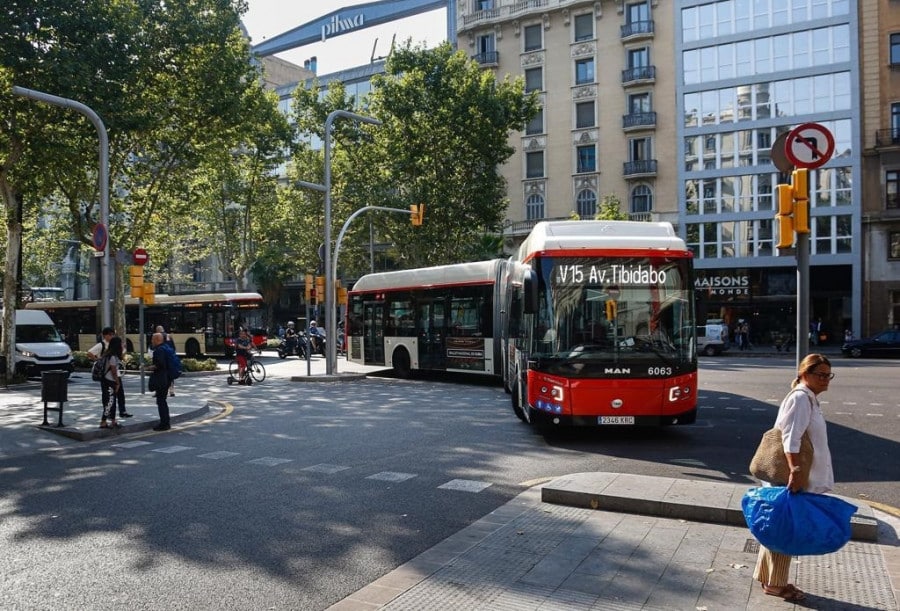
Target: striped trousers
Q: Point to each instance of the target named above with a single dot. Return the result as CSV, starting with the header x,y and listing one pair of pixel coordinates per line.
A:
x,y
772,568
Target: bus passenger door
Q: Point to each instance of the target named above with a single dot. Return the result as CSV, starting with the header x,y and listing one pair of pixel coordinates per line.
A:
x,y
431,321
373,338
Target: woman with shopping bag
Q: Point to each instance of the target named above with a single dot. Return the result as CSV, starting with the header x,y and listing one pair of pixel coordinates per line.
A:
x,y
799,413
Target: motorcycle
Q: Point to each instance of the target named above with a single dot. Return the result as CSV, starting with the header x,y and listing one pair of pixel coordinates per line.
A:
x,y
292,346
318,343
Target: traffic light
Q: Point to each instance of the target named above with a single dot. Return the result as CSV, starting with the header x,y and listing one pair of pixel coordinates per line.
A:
x,y
149,295
612,309
417,213
310,291
800,188
320,289
785,216
793,208
137,281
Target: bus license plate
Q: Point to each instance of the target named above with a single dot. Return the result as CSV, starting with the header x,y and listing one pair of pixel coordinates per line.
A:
x,y
615,420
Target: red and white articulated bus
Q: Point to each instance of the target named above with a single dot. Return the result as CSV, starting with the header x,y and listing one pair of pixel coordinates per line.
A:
x,y
435,318
598,325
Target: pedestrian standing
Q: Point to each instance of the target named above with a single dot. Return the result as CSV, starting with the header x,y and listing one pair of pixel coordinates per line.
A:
x,y
799,413
169,343
112,381
96,352
160,381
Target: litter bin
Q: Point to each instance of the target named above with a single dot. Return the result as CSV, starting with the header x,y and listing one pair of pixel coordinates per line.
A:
x,y
54,389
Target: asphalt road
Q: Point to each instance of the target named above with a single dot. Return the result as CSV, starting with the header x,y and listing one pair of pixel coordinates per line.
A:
x,y
306,492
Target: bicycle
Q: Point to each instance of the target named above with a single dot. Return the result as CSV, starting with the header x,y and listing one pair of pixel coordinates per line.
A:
x,y
255,370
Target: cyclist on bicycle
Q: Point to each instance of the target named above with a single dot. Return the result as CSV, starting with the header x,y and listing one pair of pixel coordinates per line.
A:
x,y
242,352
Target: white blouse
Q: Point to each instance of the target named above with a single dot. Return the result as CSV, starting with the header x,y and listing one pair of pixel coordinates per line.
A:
x,y
800,412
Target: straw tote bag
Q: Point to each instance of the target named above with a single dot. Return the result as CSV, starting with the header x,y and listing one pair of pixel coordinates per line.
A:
x,y
769,463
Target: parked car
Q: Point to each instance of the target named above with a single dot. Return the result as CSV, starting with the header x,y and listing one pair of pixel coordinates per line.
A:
x,y
712,338
886,343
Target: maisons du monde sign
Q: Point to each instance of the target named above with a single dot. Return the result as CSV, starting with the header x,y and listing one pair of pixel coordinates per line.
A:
x,y
723,285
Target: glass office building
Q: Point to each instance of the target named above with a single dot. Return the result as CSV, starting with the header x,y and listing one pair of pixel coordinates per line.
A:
x,y
748,71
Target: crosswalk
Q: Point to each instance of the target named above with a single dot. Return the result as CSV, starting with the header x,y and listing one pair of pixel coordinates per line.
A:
x,y
393,477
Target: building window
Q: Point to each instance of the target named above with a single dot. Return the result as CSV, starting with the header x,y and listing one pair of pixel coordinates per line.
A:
x,y
641,199
584,27
895,245
587,158
639,58
584,115
639,12
533,35
892,189
534,79
639,149
534,164
484,5
638,103
487,49
534,207
895,49
895,307
586,204
536,125
895,122
584,71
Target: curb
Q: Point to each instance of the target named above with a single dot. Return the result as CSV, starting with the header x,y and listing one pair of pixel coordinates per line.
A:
x,y
131,427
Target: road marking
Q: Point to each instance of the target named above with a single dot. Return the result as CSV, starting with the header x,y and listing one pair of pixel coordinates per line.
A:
x,y
325,468
843,413
392,476
172,449
876,404
464,485
269,461
733,408
849,403
759,409
132,444
218,455
876,415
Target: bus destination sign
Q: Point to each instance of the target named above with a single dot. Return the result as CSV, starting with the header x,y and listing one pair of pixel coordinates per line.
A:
x,y
633,275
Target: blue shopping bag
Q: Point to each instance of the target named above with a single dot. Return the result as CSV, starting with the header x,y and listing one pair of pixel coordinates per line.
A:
x,y
797,524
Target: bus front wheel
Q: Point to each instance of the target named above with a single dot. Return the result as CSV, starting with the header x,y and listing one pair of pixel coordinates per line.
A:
x,y
516,398
402,363
192,348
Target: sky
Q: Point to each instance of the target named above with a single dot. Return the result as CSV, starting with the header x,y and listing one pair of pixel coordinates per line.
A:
x,y
267,18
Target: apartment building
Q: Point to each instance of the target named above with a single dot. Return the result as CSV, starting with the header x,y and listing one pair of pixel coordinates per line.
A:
x,y
880,67
674,107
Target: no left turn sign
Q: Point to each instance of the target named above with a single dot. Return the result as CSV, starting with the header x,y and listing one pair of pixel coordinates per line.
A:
x,y
809,146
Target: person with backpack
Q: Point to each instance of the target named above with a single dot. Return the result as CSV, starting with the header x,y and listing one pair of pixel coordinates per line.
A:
x,y
111,381
160,380
95,354
170,343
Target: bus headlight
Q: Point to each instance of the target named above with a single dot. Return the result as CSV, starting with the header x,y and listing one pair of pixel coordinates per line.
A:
x,y
676,393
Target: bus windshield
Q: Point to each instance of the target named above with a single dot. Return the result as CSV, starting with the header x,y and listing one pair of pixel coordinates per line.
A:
x,y
607,310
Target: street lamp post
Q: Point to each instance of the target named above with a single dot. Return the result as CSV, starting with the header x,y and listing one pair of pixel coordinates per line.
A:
x,y
330,271
104,182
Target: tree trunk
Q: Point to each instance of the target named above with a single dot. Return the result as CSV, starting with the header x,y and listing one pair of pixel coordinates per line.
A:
x,y
12,202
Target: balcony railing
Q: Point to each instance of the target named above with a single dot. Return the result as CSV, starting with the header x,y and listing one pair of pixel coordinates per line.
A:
x,y
887,137
640,216
524,227
488,58
636,29
639,119
644,167
639,73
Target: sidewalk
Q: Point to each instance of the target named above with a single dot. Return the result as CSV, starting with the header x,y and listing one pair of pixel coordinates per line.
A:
x,y
608,541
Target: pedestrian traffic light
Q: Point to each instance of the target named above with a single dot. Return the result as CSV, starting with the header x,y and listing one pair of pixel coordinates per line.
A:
x,y
417,212
612,309
137,281
785,216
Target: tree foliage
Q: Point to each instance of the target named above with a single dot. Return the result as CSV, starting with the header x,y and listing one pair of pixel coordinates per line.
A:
x,y
179,95
610,209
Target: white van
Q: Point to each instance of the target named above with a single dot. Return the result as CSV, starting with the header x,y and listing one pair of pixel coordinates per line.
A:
x,y
39,346
712,338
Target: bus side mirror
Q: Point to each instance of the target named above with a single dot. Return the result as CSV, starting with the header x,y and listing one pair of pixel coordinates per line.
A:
x,y
531,292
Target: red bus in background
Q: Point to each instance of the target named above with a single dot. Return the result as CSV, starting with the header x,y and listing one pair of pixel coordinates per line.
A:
x,y
599,326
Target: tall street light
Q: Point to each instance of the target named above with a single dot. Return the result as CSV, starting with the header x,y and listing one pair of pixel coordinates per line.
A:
x,y
330,271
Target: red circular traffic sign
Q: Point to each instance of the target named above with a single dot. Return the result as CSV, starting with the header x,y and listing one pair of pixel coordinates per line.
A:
x,y
100,236
809,145
140,256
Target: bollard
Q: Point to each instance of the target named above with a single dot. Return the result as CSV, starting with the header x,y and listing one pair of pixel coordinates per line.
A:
x,y
54,389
